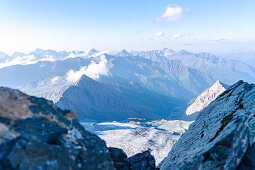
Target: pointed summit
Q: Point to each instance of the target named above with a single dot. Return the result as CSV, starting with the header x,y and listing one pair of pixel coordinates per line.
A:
x,y
123,53
93,51
205,98
185,52
168,50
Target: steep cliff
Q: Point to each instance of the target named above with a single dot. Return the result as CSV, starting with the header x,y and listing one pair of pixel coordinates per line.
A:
x,y
220,136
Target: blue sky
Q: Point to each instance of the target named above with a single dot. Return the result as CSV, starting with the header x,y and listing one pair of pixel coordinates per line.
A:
x,y
218,26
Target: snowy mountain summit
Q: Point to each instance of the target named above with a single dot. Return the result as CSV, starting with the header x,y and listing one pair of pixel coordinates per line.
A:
x,y
205,98
123,53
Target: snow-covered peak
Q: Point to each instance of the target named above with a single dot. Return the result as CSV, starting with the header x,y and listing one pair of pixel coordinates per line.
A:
x,y
205,98
123,53
93,51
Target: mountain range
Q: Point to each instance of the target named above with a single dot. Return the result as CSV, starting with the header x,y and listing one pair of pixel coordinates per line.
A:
x,y
107,100
147,84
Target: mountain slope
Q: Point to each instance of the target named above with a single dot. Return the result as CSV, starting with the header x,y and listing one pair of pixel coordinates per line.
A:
x,y
216,68
168,77
91,100
108,101
221,134
205,98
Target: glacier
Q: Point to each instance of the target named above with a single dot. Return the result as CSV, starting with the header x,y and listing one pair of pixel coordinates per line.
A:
x,y
136,136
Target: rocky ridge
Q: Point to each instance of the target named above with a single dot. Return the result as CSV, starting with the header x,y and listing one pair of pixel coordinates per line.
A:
x,y
35,134
222,136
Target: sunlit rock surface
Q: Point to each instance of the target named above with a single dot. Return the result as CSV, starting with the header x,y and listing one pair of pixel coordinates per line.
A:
x,y
205,98
221,134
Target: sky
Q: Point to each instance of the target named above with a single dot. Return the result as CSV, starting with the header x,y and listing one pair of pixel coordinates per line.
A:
x,y
218,26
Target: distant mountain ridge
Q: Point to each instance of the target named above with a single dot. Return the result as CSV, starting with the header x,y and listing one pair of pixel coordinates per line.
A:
x,y
103,101
162,75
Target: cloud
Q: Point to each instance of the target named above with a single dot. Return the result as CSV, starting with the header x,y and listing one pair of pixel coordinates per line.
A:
x,y
171,14
159,34
54,80
25,60
178,35
218,39
94,70
74,54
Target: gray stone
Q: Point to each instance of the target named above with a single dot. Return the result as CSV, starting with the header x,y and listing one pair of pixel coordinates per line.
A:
x,y
221,134
140,161
35,134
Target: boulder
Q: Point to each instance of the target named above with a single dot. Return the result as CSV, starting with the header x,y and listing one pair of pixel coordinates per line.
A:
x,y
140,161
119,158
35,134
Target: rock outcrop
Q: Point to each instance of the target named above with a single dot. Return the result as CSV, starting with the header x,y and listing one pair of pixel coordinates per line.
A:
x,y
222,136
141,161
35,134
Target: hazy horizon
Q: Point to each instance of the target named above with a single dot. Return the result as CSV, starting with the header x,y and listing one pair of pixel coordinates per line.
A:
x,y
217,26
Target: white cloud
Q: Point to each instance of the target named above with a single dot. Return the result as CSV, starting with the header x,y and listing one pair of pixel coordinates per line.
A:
x,y
54,80
218,39
171,14
159,34
178,35
74,55
93,70
25,60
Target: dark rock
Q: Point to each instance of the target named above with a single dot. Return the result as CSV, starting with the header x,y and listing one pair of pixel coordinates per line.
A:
x,y
35,134
119,158
142,161
248,161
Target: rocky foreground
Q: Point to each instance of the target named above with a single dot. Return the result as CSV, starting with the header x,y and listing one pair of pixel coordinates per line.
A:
x,y
222,137
35,134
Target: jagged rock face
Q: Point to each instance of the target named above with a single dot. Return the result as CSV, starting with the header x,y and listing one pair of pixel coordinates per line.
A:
x,y
221,134
141,161
119,158
35,134
248,161
205,98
